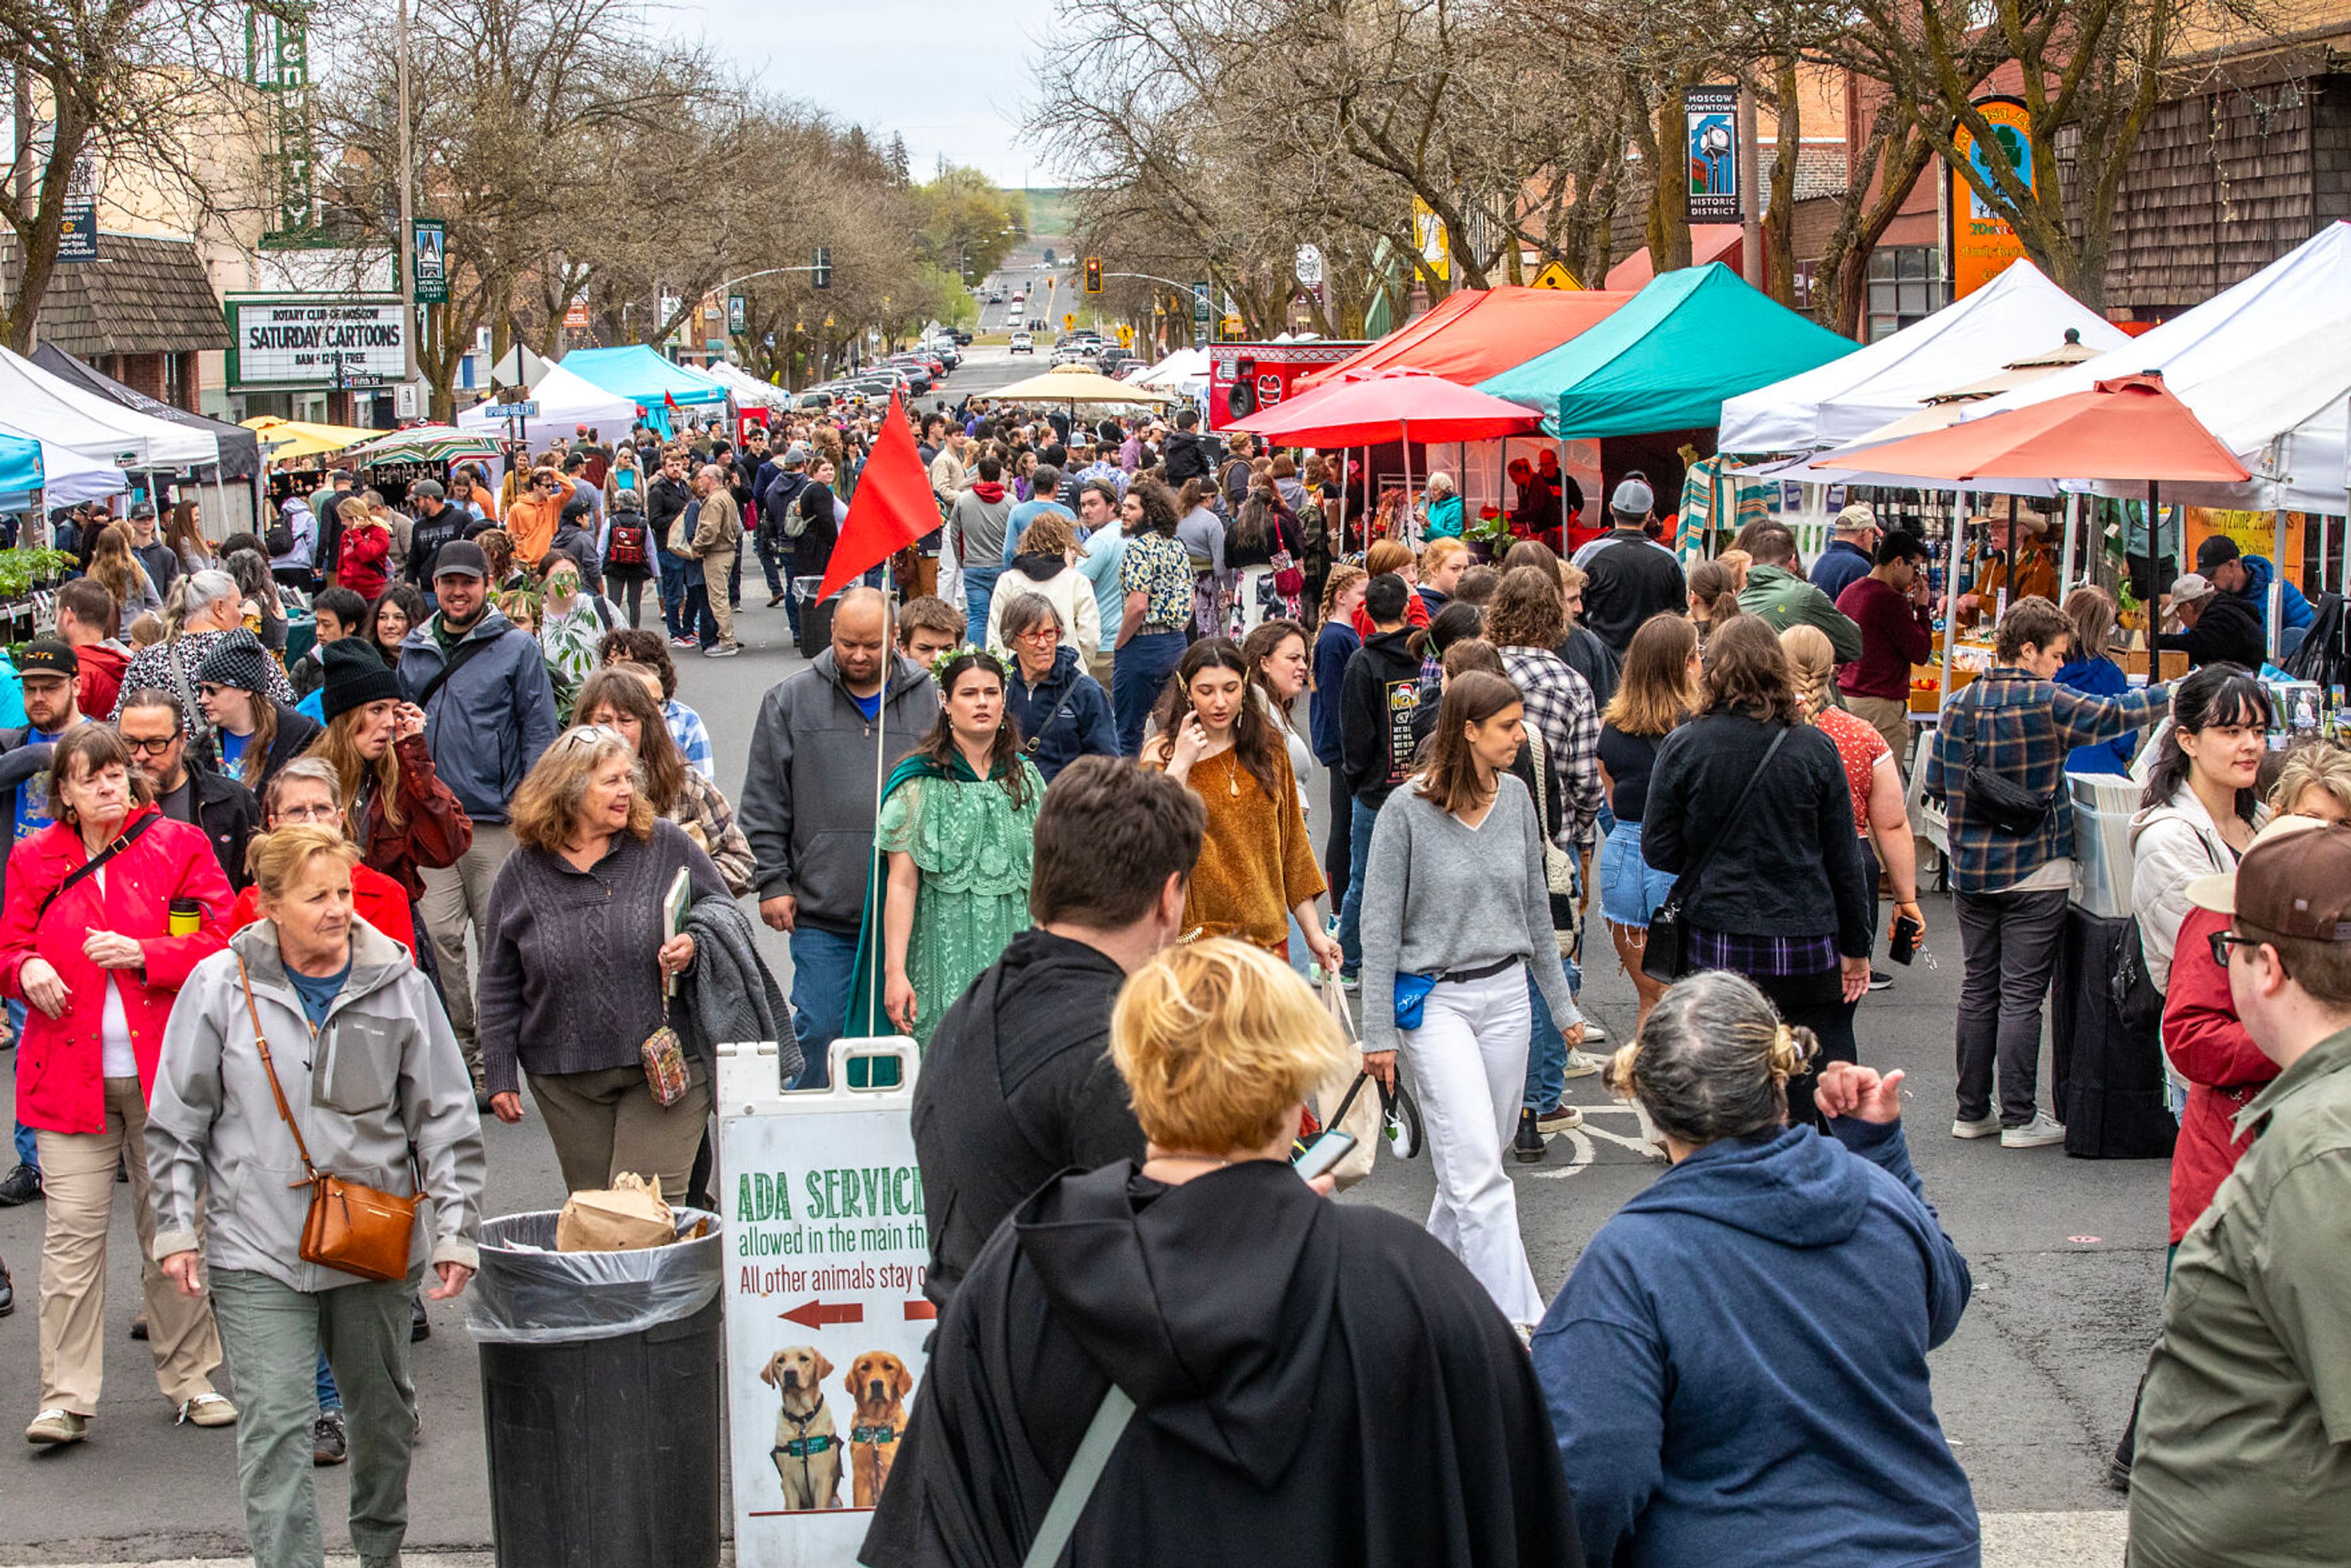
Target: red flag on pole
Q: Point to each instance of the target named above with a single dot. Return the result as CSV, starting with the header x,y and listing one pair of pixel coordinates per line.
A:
x,y
894,505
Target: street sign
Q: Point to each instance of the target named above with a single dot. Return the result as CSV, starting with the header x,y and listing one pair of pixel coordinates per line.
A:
x,y
1309,267
575,316
1069,320
77,224
1202,309
827,1247
1555,275
512,411
1710,114
823,268
1125,335
738,314
431,240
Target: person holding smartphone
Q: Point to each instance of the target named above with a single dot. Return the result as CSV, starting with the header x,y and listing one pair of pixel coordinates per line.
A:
x,y
1256,870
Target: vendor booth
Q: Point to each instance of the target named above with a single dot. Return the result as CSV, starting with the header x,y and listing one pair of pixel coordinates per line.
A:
x,y
228,491
640,375
566,401
34,402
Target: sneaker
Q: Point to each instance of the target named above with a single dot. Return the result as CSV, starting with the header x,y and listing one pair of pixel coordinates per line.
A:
x,y
23,1186
1584,1063
1560,1118
326,1444
686,642
1880,981
1530,1146
54,1428
1593,1031
1348,983
722,650
139,1327
2038,1133
7,1292
207,1410
1981,1127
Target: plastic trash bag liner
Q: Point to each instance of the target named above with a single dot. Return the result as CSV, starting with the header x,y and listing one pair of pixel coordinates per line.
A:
x,y
528,1293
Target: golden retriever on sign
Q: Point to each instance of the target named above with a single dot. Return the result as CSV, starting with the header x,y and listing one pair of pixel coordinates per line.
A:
x,y
808,1448
880,1384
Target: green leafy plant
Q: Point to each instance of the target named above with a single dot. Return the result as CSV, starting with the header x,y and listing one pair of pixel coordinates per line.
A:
x,y
22,570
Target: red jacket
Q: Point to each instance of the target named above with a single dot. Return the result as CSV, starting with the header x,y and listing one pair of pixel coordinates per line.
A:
x,y
2223,1067
380,901
1416,614
360,564
101,679
59,1075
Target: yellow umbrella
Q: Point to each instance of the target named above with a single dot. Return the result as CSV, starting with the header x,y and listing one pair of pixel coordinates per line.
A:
x,y
1074,384
298,438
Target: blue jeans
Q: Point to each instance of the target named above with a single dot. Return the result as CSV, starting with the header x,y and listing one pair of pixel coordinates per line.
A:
x,y
329,1396
978,588
27,1150
1350,912
1141,670
1546,1056
673,590
824,965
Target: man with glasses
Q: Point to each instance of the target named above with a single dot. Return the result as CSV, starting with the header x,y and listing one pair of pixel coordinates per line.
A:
x,y
2243,1454
153,726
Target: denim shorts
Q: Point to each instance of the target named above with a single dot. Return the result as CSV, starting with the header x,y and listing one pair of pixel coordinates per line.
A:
x,y
1630,887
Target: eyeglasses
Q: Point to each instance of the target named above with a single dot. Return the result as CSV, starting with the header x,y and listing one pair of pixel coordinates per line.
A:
x,y
590,735
2222,941
156,746
1046,634
308,814
205,690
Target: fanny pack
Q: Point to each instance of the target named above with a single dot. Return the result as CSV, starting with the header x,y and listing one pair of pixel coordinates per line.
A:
x,y
1412,990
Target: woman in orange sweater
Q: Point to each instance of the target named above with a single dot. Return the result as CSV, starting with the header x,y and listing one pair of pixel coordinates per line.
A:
x,y
1257,868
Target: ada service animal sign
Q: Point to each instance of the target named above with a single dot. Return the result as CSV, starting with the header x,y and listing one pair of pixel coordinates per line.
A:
x,y
826,1250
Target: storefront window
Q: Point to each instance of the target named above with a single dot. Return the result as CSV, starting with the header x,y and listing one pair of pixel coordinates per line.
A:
x,y
1904,287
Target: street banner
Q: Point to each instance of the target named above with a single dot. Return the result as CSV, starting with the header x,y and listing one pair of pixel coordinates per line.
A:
x,y
1203,310
432,262
827,1249
894,505
1982,242
1711,116
1430,239
738,314
77,216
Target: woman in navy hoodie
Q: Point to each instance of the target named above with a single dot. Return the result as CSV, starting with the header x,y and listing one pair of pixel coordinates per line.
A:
x,y
1736,1369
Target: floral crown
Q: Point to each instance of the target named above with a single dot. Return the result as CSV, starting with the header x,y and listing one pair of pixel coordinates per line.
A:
x,y
948,658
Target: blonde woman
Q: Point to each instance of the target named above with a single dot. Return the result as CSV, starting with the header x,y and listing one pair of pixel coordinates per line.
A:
x,y
1220,1046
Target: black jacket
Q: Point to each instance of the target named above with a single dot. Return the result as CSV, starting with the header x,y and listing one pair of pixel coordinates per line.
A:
x,y
1017,1085
2227,632
430,535
776,502
1793,866
1315,1383
665,499
228,813
1189,456
1631,581
813,549
1376,699
296,731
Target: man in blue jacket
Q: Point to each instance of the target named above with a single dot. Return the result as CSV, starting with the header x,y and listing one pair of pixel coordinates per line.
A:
x,y
489,712
2249,577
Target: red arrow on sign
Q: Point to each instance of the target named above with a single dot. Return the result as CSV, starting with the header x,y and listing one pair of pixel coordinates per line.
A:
x,y
917,1311
815,1314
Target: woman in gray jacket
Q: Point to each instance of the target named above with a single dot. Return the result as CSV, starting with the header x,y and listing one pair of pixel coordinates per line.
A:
x,y
369,1071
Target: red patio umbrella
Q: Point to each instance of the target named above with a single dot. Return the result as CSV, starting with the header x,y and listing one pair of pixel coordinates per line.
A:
x,y
2126,431
1389,405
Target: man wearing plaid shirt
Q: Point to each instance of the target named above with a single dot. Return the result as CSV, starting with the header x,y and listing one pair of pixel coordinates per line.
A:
x,y
2010,890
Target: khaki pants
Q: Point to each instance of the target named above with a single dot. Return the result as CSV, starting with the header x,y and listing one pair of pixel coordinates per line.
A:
x,y
1099,661
716,570
1890,719
458,900
607,1122
78,1179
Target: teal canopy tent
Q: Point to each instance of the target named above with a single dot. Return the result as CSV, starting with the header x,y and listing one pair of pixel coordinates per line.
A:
x,y
637,372
20,464
1668,359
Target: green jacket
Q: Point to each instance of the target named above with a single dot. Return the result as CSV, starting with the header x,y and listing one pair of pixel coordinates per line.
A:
x,y
2244,1430
1785,600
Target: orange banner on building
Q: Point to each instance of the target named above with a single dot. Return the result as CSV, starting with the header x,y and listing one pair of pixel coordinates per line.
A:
x,y
1983,242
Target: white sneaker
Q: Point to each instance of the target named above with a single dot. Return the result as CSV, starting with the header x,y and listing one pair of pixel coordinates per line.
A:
x,y
1592,1033
1982,1128
2038,1133
1583,1063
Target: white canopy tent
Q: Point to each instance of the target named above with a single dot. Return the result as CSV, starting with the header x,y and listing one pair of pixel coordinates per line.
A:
x,y
747,388
57,413
563,398
1848,399
1177,371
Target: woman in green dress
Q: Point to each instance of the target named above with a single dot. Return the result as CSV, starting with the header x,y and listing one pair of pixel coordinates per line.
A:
x,y
956,833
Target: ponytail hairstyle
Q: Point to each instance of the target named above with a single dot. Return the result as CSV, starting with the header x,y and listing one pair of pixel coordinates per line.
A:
x,y
1714,595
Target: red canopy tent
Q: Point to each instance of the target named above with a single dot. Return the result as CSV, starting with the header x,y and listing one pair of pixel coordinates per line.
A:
x,y
1474,333
2124,431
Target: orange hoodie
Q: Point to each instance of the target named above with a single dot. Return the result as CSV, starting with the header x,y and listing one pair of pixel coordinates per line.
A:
x,y
530,523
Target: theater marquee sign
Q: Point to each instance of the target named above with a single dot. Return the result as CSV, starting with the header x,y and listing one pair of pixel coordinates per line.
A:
x,y
318,341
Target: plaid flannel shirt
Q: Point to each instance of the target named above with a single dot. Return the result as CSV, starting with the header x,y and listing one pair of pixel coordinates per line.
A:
x,y
1559,708
2022,728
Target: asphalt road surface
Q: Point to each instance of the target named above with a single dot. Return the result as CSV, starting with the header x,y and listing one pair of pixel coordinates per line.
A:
x,y
2033,1390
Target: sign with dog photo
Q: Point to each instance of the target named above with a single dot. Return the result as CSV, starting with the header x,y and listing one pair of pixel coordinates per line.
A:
x,y
826,1252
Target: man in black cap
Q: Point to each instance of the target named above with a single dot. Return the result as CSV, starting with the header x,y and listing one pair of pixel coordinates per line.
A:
x,y
437,522
52,679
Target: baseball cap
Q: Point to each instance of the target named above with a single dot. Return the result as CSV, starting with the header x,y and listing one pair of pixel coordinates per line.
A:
x,y
461,557
49,656
429,489
143,512
2215,550
1633,499
1856,515
2194,588
2293,879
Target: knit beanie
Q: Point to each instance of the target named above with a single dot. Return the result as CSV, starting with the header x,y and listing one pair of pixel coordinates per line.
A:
x,y
238,661
356,676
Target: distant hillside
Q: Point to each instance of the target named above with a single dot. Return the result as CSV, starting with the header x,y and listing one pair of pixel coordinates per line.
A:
x,y
1048,212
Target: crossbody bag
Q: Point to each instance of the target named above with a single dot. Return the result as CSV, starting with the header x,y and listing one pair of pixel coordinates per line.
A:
x,y
357,1228
1666,957
1999,802
91,867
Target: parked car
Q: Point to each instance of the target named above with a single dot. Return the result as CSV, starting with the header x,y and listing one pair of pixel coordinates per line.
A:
x,y
1022,343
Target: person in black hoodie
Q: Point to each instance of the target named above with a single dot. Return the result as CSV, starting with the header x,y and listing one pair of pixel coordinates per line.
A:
x,y
1312,1382
437,522
1017,1084
1189,454
778,496
666,495
1376,699
2217,628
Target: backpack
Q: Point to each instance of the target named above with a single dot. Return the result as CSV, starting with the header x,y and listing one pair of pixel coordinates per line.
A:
x,y
279,537
628,544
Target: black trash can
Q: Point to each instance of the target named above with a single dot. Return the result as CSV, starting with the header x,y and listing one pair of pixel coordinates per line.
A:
x,y
600,1393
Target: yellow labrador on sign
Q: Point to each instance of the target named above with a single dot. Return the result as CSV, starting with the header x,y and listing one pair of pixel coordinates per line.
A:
x,y
806,1451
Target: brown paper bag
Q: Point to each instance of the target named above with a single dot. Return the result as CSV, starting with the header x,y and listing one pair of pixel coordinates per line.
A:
x,y
629,1216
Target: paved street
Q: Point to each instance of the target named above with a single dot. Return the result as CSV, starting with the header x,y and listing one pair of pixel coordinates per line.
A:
x,y
2068,1255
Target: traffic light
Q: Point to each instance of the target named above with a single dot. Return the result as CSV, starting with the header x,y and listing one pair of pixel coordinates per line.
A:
x,y
823,268
1093,274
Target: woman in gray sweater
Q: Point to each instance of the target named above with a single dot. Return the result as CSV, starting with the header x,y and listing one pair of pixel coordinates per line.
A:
x,y
1454,894
575,966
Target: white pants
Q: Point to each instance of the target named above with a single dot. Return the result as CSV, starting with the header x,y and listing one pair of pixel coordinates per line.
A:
x,y
1468,1067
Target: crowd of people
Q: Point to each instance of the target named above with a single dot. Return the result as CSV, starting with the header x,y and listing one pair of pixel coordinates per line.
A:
x,y
493,869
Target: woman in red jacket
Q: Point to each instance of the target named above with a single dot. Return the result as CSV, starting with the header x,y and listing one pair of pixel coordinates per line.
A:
x,y
108,910
362,562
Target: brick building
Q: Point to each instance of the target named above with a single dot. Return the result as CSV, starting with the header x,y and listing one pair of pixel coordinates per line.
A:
x,y
141,312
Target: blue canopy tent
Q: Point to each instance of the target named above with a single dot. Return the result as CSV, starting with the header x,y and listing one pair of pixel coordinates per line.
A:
x,y
638,372
20,466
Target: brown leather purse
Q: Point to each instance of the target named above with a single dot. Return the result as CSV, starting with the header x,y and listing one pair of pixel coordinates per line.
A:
x,y
359,1229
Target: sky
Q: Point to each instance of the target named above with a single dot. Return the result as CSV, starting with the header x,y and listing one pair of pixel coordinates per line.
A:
x,y
950,76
